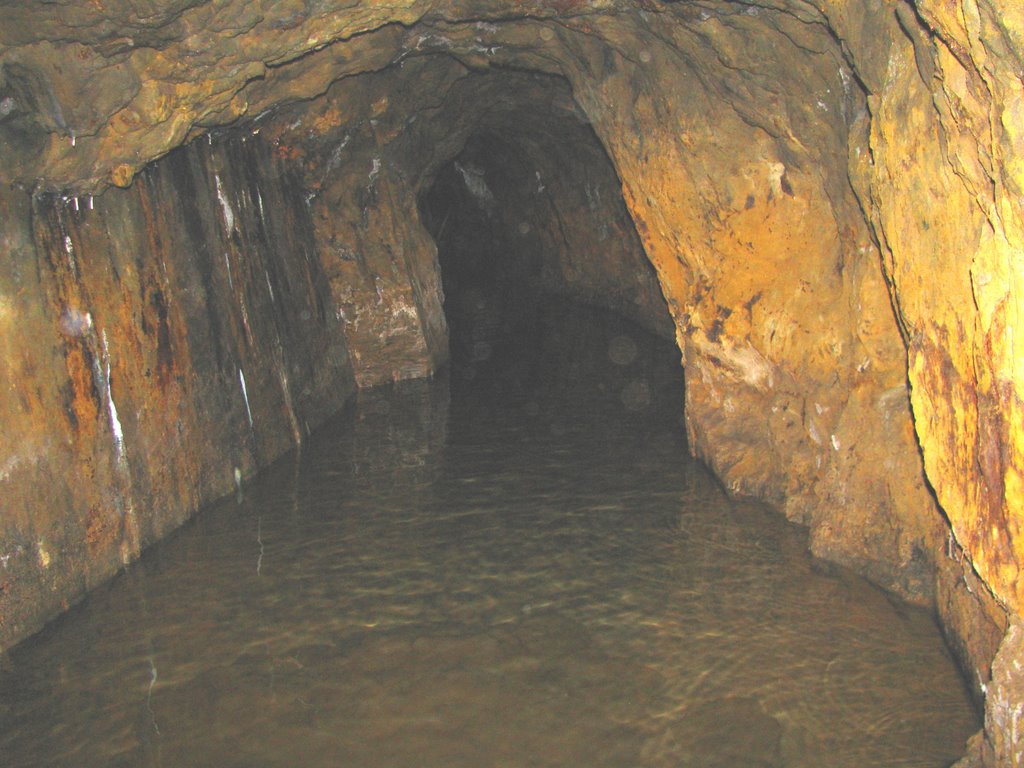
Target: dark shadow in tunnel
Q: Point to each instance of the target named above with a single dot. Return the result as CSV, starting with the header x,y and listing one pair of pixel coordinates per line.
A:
x,y
490,272
522,324
529,211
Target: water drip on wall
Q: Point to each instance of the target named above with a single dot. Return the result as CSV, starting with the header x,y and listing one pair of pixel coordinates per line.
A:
x,y
282,377
245,396
115,422
225,206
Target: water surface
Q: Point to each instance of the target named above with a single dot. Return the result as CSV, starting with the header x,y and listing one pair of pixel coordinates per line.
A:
x,y
517,566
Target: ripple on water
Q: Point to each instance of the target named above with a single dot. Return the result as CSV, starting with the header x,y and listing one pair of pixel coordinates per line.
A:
x,y
442,579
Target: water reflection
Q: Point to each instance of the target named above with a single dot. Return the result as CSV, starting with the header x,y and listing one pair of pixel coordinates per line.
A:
x,y
518,567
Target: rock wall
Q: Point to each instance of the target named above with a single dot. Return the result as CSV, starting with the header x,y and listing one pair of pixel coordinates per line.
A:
x,y
160,344
382,268
795,370
937,165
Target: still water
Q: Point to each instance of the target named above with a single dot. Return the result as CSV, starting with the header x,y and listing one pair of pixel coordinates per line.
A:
x,y
514,566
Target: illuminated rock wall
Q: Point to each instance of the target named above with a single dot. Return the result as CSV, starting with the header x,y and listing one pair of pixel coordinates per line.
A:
x,y
160,344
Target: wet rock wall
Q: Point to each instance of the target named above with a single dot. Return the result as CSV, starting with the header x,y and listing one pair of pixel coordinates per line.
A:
x,y
936,162
160,344
380,262
382,268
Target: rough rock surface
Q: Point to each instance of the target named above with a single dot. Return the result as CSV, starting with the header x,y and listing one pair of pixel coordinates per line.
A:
x,y
158,348
829,192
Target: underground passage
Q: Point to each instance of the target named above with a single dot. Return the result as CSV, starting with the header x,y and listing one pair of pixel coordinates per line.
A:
x,y
582,383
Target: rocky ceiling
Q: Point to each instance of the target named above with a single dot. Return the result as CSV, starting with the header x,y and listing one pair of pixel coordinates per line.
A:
x,y
92,92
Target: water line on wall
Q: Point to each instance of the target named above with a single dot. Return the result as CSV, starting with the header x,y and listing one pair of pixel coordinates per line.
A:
x,y
130,544
259,202
286,393
270,288
69,247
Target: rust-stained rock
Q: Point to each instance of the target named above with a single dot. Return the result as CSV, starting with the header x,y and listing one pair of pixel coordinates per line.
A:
x,y
829,193
166,342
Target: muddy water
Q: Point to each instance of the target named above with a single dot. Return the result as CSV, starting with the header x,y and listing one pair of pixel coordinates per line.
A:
x,y
514,567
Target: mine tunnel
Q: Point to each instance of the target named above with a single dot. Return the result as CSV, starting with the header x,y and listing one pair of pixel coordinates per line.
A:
x,y
529,212
567,384
490,266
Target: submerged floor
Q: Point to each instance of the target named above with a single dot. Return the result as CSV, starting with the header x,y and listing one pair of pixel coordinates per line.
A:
x,y
518,567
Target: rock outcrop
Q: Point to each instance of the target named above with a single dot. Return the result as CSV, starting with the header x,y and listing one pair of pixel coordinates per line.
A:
x,y
212,231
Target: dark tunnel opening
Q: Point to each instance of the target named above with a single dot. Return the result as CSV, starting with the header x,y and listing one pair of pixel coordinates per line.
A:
x,y
491,267
527,214
547,289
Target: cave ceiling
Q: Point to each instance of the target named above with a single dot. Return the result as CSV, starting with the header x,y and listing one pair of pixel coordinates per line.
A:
x,y
92,92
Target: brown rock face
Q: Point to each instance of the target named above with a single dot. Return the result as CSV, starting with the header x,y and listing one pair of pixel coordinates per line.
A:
x,y
162,348
828,195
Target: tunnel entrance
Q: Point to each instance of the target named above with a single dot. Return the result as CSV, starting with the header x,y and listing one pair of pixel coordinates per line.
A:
x,y
490,255
527,213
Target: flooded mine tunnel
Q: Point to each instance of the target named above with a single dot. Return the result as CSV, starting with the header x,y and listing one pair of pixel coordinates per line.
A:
x,y
781,241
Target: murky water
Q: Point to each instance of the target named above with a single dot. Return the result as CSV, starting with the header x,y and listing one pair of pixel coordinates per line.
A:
x,y
516,568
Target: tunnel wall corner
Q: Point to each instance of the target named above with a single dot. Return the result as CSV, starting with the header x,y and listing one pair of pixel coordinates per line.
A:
x,y
384,276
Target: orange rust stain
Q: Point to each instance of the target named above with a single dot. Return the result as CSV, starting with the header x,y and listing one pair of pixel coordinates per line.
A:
x,y
84,403
122,175
288,152
328,120
99,535
963,426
